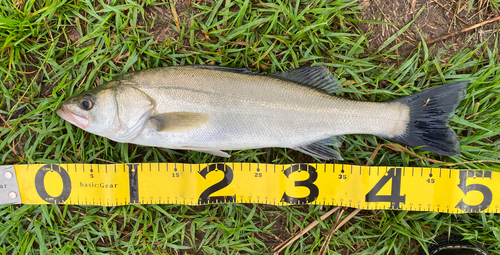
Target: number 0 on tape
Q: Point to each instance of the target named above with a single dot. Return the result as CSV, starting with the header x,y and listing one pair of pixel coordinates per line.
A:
x,y
405,188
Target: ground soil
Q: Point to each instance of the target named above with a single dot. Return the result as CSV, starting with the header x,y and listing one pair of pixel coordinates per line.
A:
x,y
162,20
435,21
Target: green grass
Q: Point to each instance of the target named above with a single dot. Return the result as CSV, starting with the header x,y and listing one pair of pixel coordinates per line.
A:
x,y
40,66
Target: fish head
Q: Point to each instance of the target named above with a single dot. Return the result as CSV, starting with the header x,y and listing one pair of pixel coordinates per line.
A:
x,y
116,111
92,111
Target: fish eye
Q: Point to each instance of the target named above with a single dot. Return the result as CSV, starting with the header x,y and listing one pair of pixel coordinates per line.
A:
x,y
87,102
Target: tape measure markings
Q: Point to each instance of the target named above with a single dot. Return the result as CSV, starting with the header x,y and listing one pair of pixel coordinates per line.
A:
x,y
328,184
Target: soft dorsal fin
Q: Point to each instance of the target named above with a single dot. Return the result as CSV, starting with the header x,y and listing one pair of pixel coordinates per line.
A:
x,y
178,121
321,150
315,76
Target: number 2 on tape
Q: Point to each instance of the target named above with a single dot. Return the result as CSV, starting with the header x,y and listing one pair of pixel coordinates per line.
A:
x,y
226,180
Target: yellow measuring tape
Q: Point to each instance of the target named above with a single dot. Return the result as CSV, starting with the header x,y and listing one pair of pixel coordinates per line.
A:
x,y
405,188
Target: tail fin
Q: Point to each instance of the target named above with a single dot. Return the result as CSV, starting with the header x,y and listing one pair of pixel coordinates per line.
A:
x,y
429,114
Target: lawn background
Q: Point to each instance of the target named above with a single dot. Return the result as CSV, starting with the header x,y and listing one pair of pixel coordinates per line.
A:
x,y
51,50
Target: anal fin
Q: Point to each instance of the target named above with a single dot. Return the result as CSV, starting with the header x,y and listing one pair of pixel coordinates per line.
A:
x,y
321,150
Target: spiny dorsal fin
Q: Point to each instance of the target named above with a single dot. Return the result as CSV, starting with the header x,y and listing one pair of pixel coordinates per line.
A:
x,y
320,150
315,76
226,69
178,121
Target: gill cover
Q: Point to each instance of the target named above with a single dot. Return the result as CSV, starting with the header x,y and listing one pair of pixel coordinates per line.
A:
x,y
134,107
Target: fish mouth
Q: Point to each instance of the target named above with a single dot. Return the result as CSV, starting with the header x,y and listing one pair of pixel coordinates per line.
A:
x,y
73,118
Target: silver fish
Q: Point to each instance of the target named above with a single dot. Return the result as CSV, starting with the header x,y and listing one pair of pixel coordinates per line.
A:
x,y
210,109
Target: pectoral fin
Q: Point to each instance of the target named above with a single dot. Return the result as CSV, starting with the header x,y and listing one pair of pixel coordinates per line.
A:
x,y
178,121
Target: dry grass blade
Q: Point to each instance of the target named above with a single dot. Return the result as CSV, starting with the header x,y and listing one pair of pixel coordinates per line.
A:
x,y
282,246
176,17
472,162
456,16
463,30
413,4
335,228
397,147
5,122
329,236
14,149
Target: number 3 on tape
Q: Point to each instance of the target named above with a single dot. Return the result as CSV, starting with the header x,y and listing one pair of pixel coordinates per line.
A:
x,y
308,183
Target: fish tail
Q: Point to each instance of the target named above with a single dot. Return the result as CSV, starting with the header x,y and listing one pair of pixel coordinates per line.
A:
x,y
430,111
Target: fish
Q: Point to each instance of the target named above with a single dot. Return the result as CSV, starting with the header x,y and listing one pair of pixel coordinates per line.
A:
x,y
214,108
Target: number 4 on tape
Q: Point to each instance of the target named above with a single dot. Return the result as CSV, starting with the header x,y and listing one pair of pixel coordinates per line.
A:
x,y
395,198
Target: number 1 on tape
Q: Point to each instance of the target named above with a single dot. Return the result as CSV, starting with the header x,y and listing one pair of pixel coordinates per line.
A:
x,y
405,188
